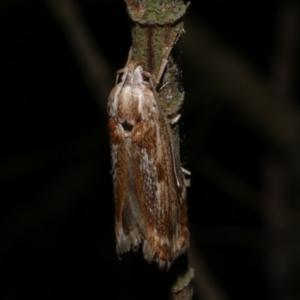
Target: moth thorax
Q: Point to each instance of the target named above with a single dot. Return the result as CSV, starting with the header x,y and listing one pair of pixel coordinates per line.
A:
x,y
137,77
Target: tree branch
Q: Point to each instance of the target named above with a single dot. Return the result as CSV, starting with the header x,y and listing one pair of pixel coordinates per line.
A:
x,y
156,27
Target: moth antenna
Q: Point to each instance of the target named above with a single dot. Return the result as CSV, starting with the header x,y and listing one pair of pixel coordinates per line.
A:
x,y
130,55
166,55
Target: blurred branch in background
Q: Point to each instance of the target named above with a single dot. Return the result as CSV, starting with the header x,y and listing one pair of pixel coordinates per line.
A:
x,y
247,92
241,191
286,47
278,230
71,150
281,261
205,287
56,196
97,73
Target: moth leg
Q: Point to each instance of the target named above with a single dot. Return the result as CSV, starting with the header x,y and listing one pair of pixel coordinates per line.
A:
x,y
162,87
175,120
121,71
185,171
147,74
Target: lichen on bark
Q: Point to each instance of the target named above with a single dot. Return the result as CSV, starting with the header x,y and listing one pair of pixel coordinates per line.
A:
x,y
154,24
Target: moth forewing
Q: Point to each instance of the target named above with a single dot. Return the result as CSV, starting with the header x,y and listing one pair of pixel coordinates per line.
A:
x,y
149,190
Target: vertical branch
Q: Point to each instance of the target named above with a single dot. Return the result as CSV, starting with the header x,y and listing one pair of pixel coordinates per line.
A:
x,y
157,26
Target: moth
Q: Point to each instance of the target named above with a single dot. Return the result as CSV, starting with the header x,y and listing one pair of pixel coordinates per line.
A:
x,y
149,190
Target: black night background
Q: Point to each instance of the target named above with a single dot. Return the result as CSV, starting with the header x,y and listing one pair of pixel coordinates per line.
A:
x,y
239,139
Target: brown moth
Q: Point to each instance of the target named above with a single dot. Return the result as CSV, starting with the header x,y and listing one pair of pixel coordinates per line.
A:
x,y
149,190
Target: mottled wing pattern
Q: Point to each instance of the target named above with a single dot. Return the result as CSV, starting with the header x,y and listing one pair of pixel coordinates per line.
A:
x,y
128,221
149,191
162,201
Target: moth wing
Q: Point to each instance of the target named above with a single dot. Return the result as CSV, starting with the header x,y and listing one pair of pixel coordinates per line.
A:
x,y
174,189
162,202
128,221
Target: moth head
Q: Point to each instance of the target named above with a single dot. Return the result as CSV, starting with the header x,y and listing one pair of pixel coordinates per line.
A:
x,y
135,69
131,74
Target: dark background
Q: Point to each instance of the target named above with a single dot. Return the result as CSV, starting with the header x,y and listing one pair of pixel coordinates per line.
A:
x,y
239,130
